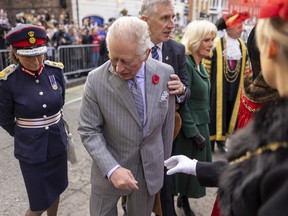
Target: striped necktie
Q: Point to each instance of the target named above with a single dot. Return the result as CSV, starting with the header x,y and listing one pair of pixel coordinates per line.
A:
x,y
138,99
155,54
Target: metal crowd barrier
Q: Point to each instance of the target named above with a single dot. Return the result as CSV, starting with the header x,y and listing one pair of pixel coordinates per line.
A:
x,y
4,58
77,59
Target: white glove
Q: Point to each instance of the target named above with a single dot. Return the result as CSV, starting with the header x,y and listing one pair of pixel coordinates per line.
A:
x,y
180,163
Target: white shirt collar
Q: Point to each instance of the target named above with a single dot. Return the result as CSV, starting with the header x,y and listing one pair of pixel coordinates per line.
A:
x,y
141,73
159,45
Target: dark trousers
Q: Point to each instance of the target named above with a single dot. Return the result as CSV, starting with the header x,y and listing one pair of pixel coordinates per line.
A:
x,y
166,196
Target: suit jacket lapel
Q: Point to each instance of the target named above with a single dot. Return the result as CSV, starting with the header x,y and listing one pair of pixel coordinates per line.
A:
x,y
166,53
123,94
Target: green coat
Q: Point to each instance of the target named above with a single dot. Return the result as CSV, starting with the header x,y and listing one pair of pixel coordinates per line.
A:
x,y
195,119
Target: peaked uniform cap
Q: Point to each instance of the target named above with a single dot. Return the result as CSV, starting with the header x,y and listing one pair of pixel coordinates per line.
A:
x,y
28,40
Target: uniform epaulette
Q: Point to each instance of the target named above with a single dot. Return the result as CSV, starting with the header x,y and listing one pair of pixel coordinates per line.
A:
x,y
54,64
7,71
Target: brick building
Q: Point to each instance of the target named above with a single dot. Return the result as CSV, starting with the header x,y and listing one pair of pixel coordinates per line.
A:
x,y
37,7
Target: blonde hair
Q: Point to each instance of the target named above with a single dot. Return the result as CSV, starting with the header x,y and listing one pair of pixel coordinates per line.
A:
x,y
194,33
275,29
12,57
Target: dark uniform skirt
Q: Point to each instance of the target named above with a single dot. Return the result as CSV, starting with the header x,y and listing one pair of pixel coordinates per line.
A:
x,y
45,181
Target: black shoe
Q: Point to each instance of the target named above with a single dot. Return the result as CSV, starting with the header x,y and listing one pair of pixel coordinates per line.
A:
x,y
222,147
182,202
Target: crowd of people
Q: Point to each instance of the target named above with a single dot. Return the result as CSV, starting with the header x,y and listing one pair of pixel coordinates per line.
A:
x,y
153,113
61,31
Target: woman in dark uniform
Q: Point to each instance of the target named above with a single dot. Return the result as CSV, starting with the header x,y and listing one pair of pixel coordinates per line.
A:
x,y
31,98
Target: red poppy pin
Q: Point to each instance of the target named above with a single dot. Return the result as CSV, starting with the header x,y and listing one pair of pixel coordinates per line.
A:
x,y
155,79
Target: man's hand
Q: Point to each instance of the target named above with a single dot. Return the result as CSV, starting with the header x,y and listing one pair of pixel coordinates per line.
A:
x,y
175,86
123,179
180,164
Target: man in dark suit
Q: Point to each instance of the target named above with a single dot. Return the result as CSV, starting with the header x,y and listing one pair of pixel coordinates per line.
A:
x,y
160,16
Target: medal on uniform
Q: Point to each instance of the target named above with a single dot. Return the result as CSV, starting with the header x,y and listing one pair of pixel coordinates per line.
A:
x,y
53,82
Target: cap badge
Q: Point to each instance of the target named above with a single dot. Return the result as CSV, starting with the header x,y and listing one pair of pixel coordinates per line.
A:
x,y
32,39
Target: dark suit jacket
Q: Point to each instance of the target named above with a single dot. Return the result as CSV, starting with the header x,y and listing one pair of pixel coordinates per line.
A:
x,y
173,53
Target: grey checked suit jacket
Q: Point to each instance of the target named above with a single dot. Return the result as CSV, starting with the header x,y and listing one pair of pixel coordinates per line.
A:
x,y
111,131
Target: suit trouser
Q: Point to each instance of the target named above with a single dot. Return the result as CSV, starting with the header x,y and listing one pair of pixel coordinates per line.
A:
x,y
139,202
166,195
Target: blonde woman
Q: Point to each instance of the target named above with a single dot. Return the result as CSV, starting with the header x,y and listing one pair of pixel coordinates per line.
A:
x,y
193,139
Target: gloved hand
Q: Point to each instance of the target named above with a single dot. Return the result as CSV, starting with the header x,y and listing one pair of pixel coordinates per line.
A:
x,y
200,141
180,163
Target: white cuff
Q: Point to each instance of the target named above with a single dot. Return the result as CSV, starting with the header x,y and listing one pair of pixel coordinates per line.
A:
x,y
111,171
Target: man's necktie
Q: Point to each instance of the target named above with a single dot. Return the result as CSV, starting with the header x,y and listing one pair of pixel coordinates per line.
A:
x,y
155,53
138,99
